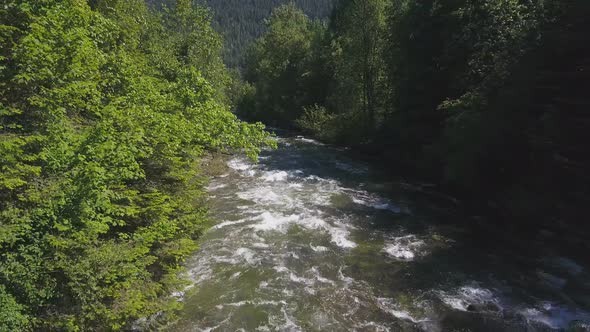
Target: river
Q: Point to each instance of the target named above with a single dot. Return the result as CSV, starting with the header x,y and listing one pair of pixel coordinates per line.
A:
x,y
310,239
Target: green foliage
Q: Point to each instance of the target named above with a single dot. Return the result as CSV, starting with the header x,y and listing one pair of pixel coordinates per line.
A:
x,y
357,45
471,94
11,315
105,112
497,34
316,121
280,66
298,63
330,127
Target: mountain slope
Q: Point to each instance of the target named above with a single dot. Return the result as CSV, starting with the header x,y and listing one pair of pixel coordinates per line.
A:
x,y
241,21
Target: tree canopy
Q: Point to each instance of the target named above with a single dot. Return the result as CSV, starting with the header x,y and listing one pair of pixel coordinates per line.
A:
x,y
471,95
105,110
241,22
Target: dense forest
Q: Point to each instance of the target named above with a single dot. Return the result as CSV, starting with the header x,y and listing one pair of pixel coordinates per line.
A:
x,y
488,99
241,21
106,109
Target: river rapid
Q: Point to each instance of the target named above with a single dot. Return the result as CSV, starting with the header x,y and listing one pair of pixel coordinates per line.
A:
x,y
310,239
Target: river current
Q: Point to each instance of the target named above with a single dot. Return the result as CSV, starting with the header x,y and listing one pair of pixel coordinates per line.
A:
x,y
310,239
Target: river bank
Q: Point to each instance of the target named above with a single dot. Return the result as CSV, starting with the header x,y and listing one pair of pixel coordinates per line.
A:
x,y
485,213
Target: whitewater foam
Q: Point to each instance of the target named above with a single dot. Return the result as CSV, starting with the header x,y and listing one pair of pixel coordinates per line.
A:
x,y
274,176
318,248
374,202
260,245
404,247
464,297
342,277
267,195
216,186
340,237
270,222
308,140
254,303
553,315
388,305
239,164
280,269
229,223
275,222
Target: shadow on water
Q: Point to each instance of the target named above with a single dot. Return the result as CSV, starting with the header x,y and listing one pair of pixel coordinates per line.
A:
x,y
312,239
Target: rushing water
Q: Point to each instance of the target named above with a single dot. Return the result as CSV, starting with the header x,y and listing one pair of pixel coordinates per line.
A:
x,y
309,239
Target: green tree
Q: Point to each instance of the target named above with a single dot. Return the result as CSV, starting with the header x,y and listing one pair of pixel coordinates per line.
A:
x,y
358,32
278,65
104,115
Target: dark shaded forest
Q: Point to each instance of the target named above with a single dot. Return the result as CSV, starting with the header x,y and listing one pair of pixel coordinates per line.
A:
x,y
487,99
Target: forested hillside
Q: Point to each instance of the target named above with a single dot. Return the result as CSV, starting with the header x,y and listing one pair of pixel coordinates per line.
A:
x,y
485,98
105,111
241,21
